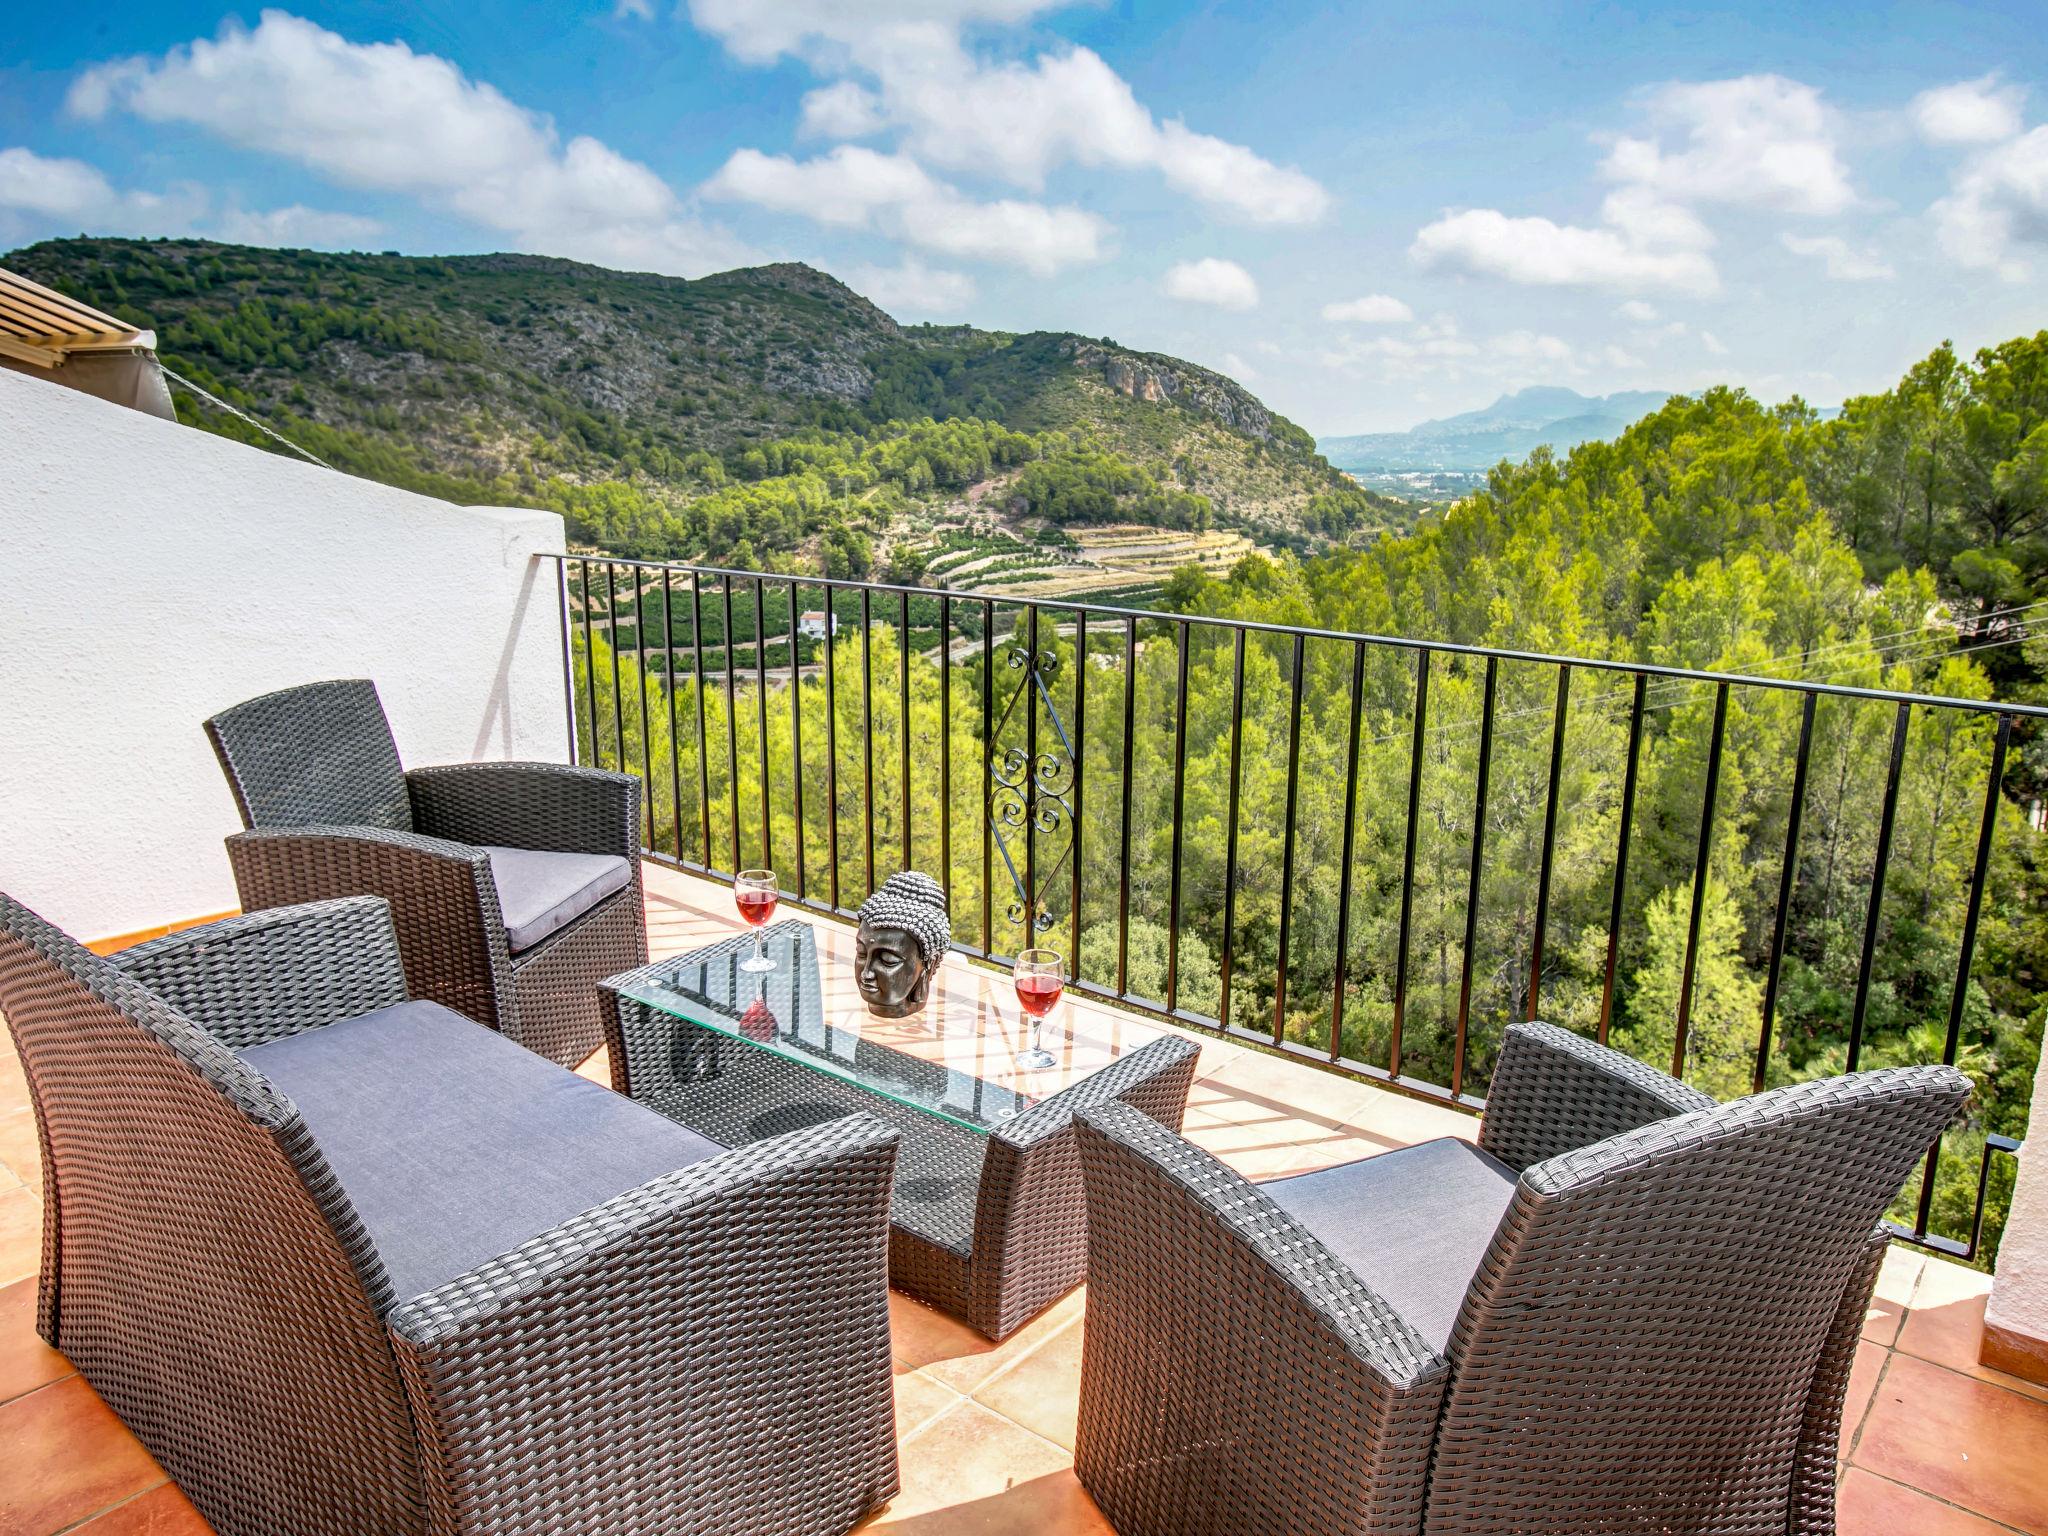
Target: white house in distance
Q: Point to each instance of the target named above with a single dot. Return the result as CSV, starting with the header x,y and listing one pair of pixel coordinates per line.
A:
x,y
816,624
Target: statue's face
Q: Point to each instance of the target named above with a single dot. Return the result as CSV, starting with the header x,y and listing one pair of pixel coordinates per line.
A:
x,y
890,968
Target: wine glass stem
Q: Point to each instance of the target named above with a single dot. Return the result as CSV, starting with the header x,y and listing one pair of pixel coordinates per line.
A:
x,y
760,944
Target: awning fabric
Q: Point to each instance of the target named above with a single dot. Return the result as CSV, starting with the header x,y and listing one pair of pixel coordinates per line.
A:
x,y
43,331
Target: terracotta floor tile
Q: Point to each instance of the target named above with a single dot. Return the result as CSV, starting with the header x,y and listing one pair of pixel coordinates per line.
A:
x,y
1295,1089
1871,1506
1946,1324
1042,1391
1962,1440
1863,1375
26,1362
953,1354
1894,1293
65,1457
971,1472
21,1234
163,1511
919,1400
1260,1146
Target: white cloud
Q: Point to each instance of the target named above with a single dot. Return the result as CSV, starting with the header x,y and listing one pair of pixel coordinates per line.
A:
x,y
910,288
845,187
845,109
1372,309
1638,311
1239,369
1016,119
74,195
40,193
857,188
1999,200
297,225
761,31
1757,139
1486,242
1979,111
381,117
1713,344
1211,280
1844,263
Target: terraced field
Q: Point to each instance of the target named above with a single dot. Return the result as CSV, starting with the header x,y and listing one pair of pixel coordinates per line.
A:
x,y
1128,561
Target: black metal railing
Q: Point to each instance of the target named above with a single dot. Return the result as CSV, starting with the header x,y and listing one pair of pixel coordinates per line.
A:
x,y
1490,806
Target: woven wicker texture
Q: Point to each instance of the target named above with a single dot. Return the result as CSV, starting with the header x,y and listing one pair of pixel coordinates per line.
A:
x,y
706,1355
281,753
319,754
1646,1330
1554,1091
1658,1340
267,975
1236,1379
202,1268
991,1229
725,1327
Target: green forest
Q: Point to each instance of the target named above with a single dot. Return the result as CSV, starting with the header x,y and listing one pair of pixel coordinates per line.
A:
x,y
1898,546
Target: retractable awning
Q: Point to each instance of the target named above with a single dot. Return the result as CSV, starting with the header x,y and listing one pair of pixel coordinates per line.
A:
x,y
79,346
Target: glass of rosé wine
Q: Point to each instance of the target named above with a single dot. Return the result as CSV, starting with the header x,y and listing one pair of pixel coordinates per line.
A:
x,y
1040,977
755,893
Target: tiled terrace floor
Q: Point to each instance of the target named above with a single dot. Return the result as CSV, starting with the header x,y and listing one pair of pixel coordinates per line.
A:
x,y
1933,1444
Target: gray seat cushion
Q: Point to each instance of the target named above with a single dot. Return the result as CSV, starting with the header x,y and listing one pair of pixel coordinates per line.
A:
x,y
1412,1224
541,893
456,1145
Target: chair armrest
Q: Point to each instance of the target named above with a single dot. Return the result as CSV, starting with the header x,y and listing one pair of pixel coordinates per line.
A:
x,y
707,1352
547,806
1030,1213
1222,1336
270,974
1554,1091
444,903
1154,1078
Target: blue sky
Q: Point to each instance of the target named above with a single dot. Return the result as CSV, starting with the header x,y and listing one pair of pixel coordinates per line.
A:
x,y
1368,216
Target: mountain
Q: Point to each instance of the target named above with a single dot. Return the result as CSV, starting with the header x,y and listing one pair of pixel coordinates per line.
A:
x,y
1451,455
637,403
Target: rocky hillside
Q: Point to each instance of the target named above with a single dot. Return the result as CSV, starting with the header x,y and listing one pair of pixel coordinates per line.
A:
x,y
532,379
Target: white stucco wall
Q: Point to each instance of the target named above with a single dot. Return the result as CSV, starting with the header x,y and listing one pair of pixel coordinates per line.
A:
x,y
2019,1291
151,574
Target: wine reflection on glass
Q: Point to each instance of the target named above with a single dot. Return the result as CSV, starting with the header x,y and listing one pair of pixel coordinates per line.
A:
x,y
755,893
1040,977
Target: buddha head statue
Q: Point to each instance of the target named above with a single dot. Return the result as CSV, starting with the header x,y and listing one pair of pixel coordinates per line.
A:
x,y
904,931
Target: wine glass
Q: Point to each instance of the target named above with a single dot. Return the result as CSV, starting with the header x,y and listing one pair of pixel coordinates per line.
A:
x,y
755,892
1040,977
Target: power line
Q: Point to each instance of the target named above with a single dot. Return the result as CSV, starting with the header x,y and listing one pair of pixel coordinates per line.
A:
x,y
215,400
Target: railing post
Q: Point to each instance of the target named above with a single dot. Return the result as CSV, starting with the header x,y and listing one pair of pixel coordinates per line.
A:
x,y
1700,876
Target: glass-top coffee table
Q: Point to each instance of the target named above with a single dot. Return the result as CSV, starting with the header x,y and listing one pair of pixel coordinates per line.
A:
x,y
988,1220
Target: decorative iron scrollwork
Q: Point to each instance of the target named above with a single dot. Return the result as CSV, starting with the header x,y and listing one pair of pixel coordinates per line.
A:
x,y
1031,790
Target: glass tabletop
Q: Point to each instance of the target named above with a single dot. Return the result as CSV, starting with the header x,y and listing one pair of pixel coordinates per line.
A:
x,y
957,1060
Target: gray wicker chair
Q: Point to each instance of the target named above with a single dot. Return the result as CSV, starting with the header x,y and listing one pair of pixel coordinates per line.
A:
x,y
515,886
351,1265
1627,1310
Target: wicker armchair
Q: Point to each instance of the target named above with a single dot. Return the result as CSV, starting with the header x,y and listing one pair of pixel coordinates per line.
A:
x,y
351,1265
515,886
1647,1330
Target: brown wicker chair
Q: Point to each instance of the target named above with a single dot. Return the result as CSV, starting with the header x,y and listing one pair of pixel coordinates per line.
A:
x,y
351,1265
1626,1310
515,886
